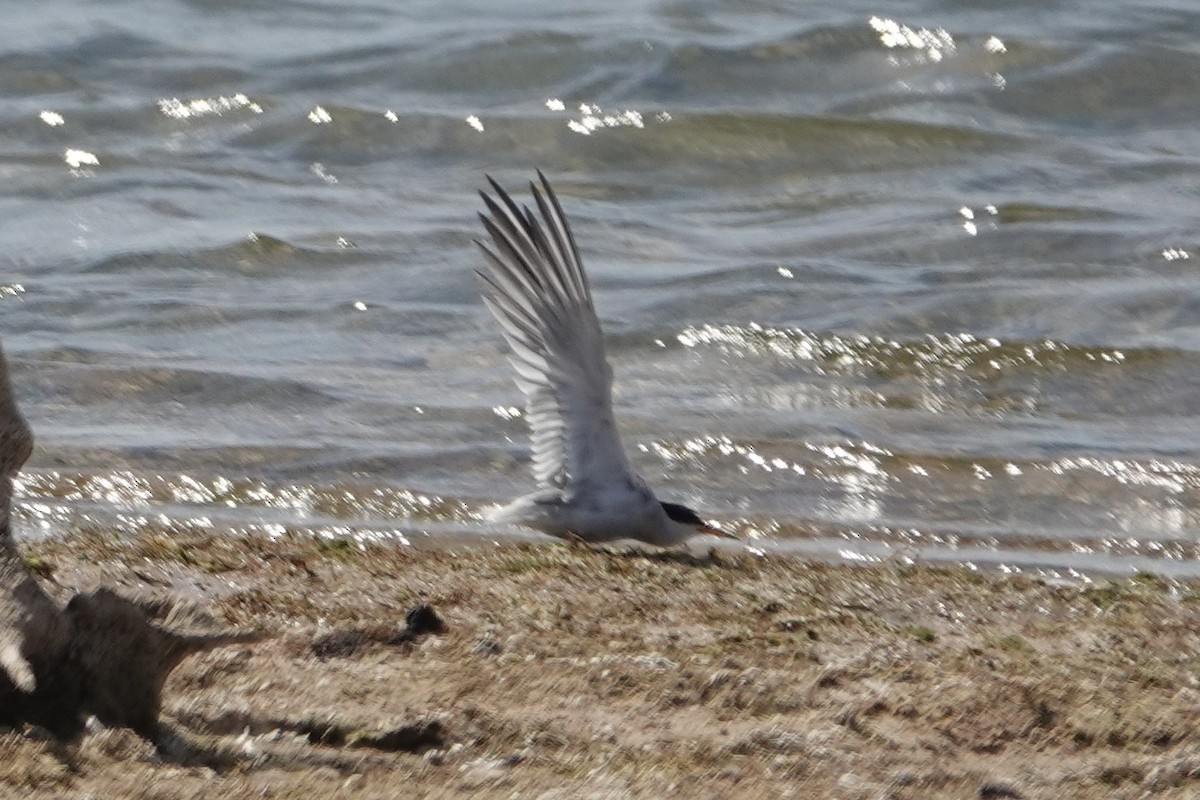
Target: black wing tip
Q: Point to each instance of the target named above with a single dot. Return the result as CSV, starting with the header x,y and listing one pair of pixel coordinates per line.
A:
x,y
495,205
484,248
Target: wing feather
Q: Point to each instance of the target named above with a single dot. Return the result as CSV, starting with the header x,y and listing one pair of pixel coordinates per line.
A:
x,y
537,289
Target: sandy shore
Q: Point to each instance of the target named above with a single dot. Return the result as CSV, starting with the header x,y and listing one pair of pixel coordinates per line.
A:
x,y
565,673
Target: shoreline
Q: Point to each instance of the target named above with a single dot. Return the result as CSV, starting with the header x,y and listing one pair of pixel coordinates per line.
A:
x,y
565,672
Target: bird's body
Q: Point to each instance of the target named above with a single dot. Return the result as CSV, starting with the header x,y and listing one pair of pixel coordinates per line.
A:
x,y
539,293
622,513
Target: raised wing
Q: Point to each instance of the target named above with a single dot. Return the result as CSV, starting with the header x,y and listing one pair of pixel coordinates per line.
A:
x,y
538,292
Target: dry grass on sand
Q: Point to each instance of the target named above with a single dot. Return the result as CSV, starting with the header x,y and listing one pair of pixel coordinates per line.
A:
x,y
566,673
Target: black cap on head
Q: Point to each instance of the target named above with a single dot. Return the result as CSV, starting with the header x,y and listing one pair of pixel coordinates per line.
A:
x,y
682,514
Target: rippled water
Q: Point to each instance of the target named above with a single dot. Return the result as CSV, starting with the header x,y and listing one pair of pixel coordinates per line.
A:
x,y
876,287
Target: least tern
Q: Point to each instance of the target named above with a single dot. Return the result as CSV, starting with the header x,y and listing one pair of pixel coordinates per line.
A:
x,y
537,290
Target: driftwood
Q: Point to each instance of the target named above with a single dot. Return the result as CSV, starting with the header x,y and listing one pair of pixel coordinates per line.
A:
x,y
102,655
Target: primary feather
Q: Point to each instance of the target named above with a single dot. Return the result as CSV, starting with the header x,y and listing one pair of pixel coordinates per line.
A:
x,y
541,297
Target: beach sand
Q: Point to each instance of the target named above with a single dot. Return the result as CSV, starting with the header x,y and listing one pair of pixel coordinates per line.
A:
x,y
567,673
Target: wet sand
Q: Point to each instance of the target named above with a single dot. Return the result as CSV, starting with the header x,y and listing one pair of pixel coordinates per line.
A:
x,y
566,673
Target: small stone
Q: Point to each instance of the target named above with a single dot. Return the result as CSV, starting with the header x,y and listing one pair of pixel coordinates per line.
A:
x,y
733,774
514,758
327,773
480,772
488,647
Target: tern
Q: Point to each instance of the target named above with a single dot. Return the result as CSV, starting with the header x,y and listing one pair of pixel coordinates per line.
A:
x,y
537,290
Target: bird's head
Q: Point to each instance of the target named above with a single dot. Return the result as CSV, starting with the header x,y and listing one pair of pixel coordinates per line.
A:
x,y
689,523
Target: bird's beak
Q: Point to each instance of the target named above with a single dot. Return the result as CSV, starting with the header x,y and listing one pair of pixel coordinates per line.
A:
x,y
713,530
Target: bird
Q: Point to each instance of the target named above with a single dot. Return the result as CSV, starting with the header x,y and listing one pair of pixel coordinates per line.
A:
x,y
536,288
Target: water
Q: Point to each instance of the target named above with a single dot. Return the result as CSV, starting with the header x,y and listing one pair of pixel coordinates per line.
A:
x,y
876,288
